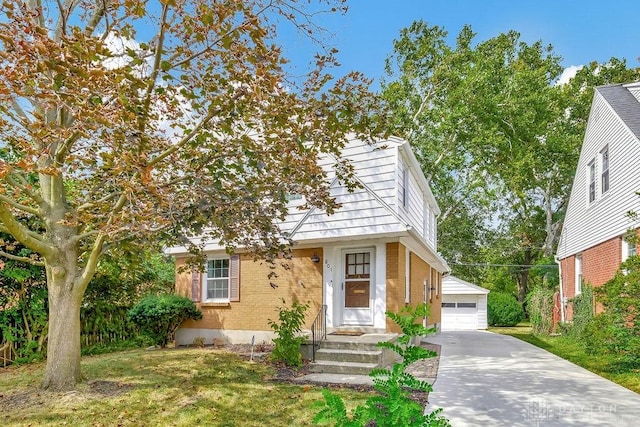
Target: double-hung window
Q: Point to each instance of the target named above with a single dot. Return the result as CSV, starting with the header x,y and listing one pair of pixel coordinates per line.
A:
x,y
592,180
604,162
578,270
216,285
404,188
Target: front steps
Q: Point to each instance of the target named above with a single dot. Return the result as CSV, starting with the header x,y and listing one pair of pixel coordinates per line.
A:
x,y
352,355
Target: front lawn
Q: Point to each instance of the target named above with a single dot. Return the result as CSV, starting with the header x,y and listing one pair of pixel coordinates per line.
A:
x,y
177,387
570,349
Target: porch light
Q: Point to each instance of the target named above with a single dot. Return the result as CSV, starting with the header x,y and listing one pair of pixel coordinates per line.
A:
x,y
315,258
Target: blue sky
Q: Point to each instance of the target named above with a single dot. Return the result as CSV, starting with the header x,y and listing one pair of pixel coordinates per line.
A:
x,y
579,30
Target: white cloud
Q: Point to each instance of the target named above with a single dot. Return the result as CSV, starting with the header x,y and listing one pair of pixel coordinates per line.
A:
x,y
568,74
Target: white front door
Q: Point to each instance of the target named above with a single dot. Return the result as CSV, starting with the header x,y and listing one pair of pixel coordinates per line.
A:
x,y
356,286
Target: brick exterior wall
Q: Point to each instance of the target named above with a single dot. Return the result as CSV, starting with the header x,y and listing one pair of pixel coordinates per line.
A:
x,y
599,265
258,300
396,288
395,281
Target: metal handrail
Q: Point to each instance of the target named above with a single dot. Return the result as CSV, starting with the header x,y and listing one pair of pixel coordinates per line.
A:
x,y
318,331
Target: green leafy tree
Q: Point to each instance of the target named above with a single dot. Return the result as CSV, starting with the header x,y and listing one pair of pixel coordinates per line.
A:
x,y
124,122
496,136
23,306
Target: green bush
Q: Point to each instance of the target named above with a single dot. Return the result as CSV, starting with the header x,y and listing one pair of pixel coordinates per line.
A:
x,y
540,308
617,330
503,310
158,316
288,340
582,311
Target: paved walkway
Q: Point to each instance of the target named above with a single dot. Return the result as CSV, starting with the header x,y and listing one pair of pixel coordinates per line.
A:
x,y
486,379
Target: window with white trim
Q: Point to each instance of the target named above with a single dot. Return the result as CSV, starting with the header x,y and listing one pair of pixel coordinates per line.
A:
x,y
216,283
592,180
628,247
578,270
404,188
604,167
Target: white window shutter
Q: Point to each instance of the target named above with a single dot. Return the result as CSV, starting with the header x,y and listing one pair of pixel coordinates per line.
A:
x,y
234,278
196,287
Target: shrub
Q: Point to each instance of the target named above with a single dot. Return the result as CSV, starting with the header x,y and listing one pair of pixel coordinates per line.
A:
x,y
503,310
393,406
288,340
617,330
582,311
158,316
540,308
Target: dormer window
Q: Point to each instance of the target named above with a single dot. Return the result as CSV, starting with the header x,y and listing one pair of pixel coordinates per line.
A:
x,y
604,162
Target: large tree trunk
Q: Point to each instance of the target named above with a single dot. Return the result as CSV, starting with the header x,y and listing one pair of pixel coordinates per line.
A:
x,y
62,371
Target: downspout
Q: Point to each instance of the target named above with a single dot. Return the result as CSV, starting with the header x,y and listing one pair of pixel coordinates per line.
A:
x,y
407,276
561,286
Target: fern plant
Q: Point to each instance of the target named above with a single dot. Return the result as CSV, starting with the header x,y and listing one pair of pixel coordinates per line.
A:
x,y
392,406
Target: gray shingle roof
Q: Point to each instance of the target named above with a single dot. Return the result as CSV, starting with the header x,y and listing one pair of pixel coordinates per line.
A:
x,y
625,105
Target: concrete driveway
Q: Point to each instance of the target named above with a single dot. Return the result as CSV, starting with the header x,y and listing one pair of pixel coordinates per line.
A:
x,y
486,379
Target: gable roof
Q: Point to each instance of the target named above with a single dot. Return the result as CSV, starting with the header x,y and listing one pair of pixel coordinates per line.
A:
x,y
452,285
614,122
624,104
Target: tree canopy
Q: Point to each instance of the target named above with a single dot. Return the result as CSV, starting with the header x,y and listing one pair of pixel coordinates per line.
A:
x,y
122,121
498,138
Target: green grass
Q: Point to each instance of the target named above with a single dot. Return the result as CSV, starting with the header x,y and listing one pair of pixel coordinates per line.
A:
x,y
163,387
568,348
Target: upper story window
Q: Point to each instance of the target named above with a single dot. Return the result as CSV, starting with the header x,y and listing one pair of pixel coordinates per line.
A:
x,y
293,196
592,180
604,162
404,187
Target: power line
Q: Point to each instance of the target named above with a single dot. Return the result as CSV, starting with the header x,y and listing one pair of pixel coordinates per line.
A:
x,y
471,264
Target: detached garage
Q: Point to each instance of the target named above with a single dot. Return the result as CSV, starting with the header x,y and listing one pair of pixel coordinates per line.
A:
x,y
464,305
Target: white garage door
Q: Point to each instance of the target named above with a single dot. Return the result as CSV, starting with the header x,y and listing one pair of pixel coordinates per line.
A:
x,y
459,312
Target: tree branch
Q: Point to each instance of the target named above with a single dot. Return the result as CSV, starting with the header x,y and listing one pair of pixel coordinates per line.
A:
x,y
22,234
175,147
21,259
9,201
23,186
101,7
65,11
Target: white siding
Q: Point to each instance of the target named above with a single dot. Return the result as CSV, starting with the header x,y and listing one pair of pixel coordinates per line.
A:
x,y
362,212
587,224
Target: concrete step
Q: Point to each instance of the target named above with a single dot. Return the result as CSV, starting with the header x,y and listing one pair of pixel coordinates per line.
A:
x,y
340,355
346,345
330,367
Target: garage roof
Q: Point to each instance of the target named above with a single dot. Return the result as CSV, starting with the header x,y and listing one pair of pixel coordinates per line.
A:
x,y
454,286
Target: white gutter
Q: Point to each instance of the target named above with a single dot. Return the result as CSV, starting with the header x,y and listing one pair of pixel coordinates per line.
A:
x,y
561,292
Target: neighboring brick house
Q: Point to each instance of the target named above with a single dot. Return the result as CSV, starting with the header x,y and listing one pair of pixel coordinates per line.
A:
x,y
376,253
594,241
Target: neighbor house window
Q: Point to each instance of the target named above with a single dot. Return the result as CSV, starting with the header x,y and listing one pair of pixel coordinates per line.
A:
x,y
216,285
578,274
628,248
604,161
592,180
293,196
